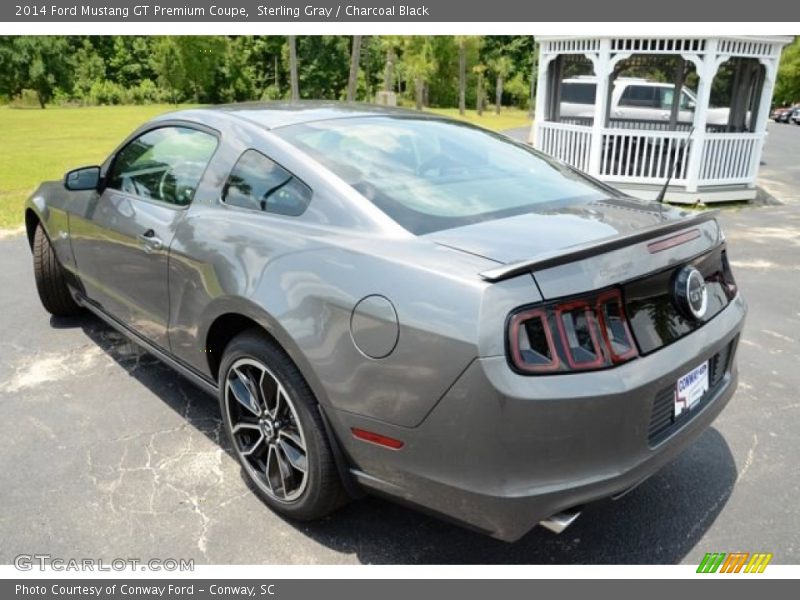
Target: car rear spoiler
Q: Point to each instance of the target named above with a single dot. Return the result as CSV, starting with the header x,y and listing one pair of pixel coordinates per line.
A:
x,y
581,251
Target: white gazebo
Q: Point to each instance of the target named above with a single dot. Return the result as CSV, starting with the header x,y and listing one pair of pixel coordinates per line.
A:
x,y
637,149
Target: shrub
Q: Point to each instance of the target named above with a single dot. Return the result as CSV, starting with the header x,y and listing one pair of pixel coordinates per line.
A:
x,y
517,87
147,92
26,99
271,92
107,92
62,98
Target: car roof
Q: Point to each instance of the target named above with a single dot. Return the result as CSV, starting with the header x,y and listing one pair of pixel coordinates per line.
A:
x,y
273,115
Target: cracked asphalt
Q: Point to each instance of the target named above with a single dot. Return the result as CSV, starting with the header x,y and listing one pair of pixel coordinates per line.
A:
x,y
107,453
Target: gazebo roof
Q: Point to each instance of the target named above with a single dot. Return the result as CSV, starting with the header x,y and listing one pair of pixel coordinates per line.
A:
x,y
762,46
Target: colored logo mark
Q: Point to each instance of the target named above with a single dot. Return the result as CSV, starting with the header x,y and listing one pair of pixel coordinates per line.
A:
x,y
734,562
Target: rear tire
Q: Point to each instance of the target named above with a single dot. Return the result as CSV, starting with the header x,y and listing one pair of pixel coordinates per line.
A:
x,y
273,422
50,280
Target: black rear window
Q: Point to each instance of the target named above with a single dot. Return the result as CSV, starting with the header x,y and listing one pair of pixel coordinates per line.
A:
x,y
639,95
430,175
578,93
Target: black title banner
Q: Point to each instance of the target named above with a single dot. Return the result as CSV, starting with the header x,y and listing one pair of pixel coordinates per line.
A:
x,y
463,11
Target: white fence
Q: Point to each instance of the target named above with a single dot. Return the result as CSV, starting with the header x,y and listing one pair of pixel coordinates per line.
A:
x,y
729,158
646,156
570,143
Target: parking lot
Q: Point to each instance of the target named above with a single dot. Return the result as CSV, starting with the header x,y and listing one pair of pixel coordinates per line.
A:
x,y
109,454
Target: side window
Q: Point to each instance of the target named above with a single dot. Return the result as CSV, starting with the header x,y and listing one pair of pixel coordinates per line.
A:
x,y
578,93
164,164
259,184
639,95
667,94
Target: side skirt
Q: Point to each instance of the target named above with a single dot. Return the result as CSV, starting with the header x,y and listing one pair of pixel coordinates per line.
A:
x,y
200,380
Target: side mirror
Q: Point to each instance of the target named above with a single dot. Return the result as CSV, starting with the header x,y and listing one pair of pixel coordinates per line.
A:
x,y
691,105
85,178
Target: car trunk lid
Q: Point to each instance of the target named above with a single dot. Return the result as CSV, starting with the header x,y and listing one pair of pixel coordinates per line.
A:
x,y
521,237
577,254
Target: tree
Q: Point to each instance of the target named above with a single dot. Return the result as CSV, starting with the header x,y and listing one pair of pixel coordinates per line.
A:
x,y
38,63
534,73
129,60
480,71
518,89
787,86
461,40
427,70
355,58
501,67
371,67
89,69
268,67
237,78
419,64
201,57
168,66
390,45
323,72
469,47
293,68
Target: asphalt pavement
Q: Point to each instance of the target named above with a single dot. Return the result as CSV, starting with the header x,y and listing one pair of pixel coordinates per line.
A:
x,y
108,453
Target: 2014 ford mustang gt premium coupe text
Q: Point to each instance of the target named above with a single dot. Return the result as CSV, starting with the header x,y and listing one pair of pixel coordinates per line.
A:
x,y
392,302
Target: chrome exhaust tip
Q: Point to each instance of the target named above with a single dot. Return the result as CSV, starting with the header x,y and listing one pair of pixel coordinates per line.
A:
x,y
560,521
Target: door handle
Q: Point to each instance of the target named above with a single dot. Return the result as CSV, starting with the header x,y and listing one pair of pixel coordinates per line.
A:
x,y
150,241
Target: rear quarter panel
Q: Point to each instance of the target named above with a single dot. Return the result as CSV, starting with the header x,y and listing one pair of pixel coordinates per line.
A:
x,y
302,282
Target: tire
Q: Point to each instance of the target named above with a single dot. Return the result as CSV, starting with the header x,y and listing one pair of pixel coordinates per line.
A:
x,y
271,440
50,281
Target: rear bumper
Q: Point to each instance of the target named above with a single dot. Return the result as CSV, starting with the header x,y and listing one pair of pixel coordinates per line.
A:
x,y
501,451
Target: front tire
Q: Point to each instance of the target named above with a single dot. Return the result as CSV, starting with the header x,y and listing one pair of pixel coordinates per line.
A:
x,y
50,280
273,423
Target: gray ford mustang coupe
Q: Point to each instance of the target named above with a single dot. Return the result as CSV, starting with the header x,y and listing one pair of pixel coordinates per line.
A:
x,y
392,302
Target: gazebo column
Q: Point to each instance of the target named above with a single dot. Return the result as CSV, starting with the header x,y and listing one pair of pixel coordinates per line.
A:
x,y
706,72
762,114
602,70
542,91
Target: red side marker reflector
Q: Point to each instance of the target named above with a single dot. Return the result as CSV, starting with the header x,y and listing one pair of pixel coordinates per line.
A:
x,y
672,241
376,438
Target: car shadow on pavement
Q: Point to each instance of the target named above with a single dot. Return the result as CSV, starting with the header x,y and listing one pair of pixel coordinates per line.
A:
x,y
659,522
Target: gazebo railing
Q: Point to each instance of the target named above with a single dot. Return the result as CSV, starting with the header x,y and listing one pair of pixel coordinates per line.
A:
x,y
645,156
570,143
645,124
729,158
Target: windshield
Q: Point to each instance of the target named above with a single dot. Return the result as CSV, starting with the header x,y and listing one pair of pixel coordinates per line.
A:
x,y
430,175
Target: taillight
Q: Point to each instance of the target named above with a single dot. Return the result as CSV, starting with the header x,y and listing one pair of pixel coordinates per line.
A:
x,y
727,277
577,335
531,341
614,327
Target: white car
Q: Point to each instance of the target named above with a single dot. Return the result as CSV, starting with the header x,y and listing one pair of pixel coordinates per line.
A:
x,y
635,99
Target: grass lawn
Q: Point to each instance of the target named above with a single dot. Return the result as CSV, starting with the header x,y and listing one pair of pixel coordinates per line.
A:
x,y
40,145
509,118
